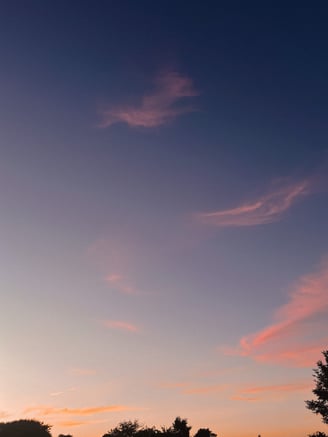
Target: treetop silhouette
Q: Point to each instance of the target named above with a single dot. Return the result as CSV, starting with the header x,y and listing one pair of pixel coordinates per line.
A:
x,y
24,428
320,405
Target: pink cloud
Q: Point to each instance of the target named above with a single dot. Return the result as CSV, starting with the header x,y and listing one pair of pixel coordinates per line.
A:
x,y
157,108
121,325
119,283
297,334
266,209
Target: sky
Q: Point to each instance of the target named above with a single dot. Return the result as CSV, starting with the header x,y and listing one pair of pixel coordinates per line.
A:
x,y
164,209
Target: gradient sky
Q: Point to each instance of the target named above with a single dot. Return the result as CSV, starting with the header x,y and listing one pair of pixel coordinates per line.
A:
x,y
164,245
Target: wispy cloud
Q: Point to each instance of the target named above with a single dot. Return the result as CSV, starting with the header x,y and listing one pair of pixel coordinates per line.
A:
x,y
119,283
82,371
60,393
260,392
278,388
244,398
157,108
56,393
192,389
54,411
71,423
204,390
266,209
121,325
296,336
4,414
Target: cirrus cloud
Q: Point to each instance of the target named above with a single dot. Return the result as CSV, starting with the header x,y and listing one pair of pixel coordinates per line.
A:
x,y
157,108
297,334
120,325
266,209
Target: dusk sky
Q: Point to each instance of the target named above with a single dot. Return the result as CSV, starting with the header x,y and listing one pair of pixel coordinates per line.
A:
x,y
164,210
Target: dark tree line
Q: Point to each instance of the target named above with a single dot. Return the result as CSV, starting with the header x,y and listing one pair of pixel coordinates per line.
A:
x,y
179,428
34,428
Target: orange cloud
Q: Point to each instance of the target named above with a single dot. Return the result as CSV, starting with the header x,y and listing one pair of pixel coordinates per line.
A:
x,y
53,411
157,108
290,338
267,209
118,324
71,423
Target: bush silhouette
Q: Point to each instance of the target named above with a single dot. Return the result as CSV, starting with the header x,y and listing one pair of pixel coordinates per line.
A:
x,y
24,428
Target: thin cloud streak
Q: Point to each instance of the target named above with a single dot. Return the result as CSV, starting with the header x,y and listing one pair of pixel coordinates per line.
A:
x,y
283,341
62,392
291,388
268,391
71,423
54,411
244,398
267,209
157,108
205,390
121,325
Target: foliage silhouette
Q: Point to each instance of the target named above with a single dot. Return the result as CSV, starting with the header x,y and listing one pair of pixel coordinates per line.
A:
x,y
320,406
205,432
24,428
318,434
124,429
180,427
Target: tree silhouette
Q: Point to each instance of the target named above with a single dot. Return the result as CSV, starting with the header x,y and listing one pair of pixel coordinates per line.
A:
x,y
180,427
24,428
320,405
124,429
147,432
204,432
